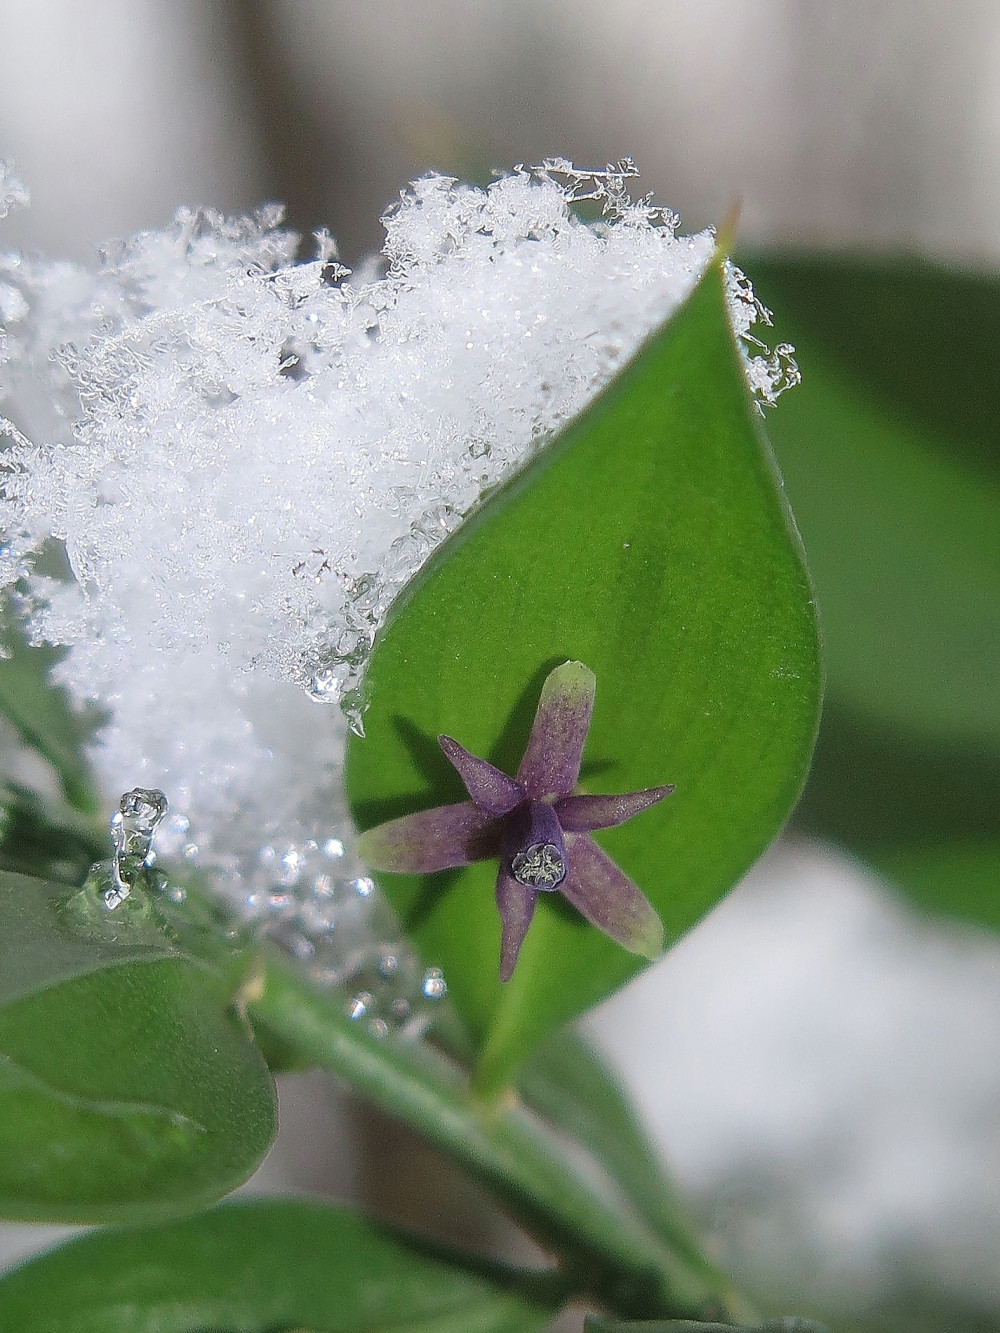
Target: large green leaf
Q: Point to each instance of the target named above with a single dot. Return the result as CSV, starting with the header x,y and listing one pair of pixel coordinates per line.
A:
x,y
273,1265
650,541
127,1087
50,934
890,452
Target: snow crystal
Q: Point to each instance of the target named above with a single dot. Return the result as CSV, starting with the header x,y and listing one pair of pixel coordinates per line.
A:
x,y
239,458
13,192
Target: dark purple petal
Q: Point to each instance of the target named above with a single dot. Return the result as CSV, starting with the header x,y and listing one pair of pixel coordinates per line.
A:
x,y
578,814
551,763
533,848
517,906
438,839
609,899
492,790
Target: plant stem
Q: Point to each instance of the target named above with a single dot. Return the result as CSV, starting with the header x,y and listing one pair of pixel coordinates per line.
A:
x,y
607,1250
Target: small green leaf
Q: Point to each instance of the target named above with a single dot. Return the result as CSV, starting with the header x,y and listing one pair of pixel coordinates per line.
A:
x,y
43,715
46,837
274,1265
649,541
570,1086
127,1088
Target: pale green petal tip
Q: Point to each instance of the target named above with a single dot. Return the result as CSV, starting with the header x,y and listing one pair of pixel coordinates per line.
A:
x,y
572,679
650,941
369,846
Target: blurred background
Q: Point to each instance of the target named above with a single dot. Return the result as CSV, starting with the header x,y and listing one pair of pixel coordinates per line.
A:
x,y
820,1060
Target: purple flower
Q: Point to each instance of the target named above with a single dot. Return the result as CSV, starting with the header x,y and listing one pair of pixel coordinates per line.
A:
x,y
535,825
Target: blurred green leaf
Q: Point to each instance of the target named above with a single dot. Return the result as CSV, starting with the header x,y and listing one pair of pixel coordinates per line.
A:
x,y
47,838
964,875
127,1088
566,1081
903,542
651,542
274,1265
922,337
788,1324
43,715
923,813
891,457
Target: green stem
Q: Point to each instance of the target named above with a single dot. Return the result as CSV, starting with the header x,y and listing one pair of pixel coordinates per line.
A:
x,y
607,1249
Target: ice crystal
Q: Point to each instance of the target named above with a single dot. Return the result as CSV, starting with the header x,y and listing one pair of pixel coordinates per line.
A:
x,y
13,192
223,463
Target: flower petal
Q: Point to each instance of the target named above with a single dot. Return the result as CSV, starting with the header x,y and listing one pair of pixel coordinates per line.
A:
x,y
551,763
609,899
438,839
490,788
578,814
517,906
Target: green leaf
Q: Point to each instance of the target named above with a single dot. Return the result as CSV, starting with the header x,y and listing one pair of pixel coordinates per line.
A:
x,y
46,837
274,1265
127,1087
923,813
890,456
964,876
903,542
921,337
43,715
567,1204
650,541
790,1324
571,1087
50,934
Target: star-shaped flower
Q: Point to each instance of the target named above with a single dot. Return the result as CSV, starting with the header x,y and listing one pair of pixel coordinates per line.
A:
x,y
536,826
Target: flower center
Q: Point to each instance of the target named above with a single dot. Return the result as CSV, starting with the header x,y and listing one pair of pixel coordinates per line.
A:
x,y
540,866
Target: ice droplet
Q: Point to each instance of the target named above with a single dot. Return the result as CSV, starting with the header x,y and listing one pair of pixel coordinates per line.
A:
x,y
132,828
435,987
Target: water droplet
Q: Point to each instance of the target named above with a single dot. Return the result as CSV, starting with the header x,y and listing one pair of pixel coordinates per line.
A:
x,y
434,985
133,825
354,708
324,687
359,1005
388,965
